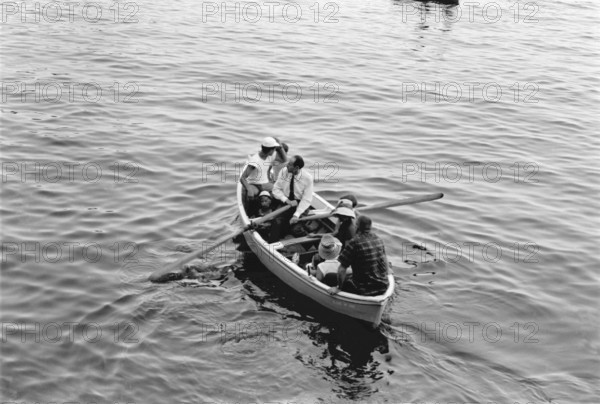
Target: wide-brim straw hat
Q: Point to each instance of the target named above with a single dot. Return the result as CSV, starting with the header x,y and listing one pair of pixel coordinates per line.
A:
x,y
330,247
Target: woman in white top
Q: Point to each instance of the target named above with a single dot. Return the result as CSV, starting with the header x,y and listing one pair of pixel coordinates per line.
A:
x,y
255,177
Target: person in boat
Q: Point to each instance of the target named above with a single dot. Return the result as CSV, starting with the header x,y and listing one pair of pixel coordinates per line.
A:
x,y
329,250
349,201
366,254
278,162
264,199
293,187
255,176
344,231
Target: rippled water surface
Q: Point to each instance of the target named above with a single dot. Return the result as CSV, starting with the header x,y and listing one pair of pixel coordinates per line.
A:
x,y
494,105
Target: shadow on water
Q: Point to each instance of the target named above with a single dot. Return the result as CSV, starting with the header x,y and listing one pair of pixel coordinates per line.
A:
x,y
346,349
346,357
428,12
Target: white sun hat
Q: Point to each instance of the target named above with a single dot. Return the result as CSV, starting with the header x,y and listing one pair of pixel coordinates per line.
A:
x,y
342,211
269,142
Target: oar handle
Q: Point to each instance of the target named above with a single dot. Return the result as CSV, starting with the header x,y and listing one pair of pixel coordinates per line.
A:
x,y
406,201
321,215
269,216
315,217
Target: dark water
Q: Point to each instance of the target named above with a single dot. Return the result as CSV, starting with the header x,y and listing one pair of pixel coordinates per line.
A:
x,y
497,283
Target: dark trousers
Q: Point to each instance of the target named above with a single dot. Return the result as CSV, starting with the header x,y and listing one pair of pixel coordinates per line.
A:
x,y
372,290
281,225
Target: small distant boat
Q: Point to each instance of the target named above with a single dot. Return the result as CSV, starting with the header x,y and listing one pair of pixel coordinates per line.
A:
x,y
277,258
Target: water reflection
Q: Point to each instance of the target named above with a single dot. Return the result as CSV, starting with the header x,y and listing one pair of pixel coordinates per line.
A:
x,y
346,356
425,13
346,349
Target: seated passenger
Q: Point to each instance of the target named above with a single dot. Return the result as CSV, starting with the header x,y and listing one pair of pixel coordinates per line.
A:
x,y
264,198
255,176
265,208
366,253
293,187
348,201
326,271
345,228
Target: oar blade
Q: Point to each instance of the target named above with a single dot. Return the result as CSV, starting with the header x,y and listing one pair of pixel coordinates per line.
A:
x,y
175,270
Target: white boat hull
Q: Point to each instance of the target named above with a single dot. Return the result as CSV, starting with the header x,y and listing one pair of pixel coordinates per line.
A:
x,y
366,308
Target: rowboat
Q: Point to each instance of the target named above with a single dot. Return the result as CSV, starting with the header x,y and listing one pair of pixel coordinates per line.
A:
x,y
277,258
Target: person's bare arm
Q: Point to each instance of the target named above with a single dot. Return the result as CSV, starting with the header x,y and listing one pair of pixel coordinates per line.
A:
x,y
341,275
281,153
244,177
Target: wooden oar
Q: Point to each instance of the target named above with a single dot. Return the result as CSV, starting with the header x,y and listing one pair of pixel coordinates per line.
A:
x,y
406,201
315,217
175,270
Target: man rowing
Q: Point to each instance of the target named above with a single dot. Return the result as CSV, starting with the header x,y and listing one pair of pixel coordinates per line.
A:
x,y
293,187
255,177
366,254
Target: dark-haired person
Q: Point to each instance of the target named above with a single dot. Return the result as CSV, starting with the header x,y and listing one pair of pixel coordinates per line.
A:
x,y
265,200
351,198
345,229
293,187
348,201
278,162
255,177
366,254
